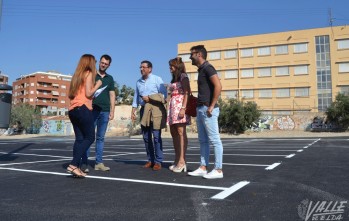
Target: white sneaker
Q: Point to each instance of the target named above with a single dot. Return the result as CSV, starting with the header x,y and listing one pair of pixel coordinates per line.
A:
x,y
198,172
214,174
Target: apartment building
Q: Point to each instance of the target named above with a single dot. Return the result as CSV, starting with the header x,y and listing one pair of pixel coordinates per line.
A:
x,y
284,73
45,90
3,78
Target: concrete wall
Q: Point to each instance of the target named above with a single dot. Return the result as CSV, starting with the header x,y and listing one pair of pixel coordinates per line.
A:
x,y
122,122
119,125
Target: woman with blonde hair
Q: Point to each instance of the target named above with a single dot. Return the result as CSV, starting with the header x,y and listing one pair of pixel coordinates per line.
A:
x,y
177,119
82,88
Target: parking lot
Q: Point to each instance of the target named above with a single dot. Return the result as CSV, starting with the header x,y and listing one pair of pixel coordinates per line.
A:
x,y
264,179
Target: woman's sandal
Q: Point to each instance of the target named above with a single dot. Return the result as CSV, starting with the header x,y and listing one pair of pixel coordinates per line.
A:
x,y
72,171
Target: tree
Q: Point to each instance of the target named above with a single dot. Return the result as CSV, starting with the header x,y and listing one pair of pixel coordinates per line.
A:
x,y
28,116
236,116
117,93
338,111
126,94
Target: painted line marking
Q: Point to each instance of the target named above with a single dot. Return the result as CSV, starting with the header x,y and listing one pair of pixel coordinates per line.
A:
x,y
272,166
305,147
231,154
229,164
224,194
36,155
290,156
299,151
123,179
43,161
261,150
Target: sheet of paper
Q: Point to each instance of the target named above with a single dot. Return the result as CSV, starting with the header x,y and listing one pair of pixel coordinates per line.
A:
x,y
99,91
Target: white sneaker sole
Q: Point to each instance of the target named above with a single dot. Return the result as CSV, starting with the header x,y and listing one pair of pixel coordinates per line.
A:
x,y
196,174
213,177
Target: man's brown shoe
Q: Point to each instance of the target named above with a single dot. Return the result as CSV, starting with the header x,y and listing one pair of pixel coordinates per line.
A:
x,y
148,165
157,166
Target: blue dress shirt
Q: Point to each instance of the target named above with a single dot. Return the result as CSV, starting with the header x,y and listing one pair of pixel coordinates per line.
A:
x,y
152,85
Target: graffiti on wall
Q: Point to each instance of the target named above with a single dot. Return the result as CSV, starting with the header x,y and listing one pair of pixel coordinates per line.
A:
x,y
285,123
273,123
53,127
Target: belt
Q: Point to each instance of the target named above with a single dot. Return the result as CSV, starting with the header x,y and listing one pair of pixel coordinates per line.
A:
x,y
203,104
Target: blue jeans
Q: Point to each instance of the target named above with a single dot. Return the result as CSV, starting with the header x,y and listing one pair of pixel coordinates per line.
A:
x,y
82,120
154,149
209,134
101,120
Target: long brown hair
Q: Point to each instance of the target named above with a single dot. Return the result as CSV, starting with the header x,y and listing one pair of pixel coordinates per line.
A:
x,y
86,64
180,68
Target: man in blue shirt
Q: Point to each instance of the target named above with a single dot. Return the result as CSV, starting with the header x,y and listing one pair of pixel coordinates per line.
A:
x,y
149,84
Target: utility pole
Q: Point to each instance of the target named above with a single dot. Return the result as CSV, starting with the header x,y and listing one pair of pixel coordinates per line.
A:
x,y
330,19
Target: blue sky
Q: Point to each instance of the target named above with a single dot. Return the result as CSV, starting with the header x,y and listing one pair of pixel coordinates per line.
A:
x,y
43,35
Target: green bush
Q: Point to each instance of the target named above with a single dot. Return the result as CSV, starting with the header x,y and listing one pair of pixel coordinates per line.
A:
x,y
338,112
236,116
28,116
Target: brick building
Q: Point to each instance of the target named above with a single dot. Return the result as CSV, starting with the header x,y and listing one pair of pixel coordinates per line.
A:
x,y
45,90
3,78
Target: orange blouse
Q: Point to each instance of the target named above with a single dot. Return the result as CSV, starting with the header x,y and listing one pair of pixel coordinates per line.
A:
x,y
81,99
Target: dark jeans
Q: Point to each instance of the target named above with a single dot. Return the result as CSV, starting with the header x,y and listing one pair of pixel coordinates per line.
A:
x,y
82,120
154,149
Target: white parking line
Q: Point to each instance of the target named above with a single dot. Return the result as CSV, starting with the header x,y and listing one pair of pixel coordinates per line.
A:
x,y
231,190
42,161
272,166
122,179
299,151
37,155
290,156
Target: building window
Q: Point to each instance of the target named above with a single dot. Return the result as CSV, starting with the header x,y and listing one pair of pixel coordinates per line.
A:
x,y
231,94
219,73
264,51
185,57
343,67
247,73
300,48
344,90
214,55
281,49
299,70
63,86
265,93
63,101
282,71
283,92
343,44
247,93
231,74
247,52
264,72
323,72
230,54
301,92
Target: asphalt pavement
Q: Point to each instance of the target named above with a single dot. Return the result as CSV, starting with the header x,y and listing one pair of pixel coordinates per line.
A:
x,y
264,179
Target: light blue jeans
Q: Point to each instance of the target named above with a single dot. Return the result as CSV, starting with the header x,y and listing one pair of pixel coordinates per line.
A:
x,y
209,134
101,120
